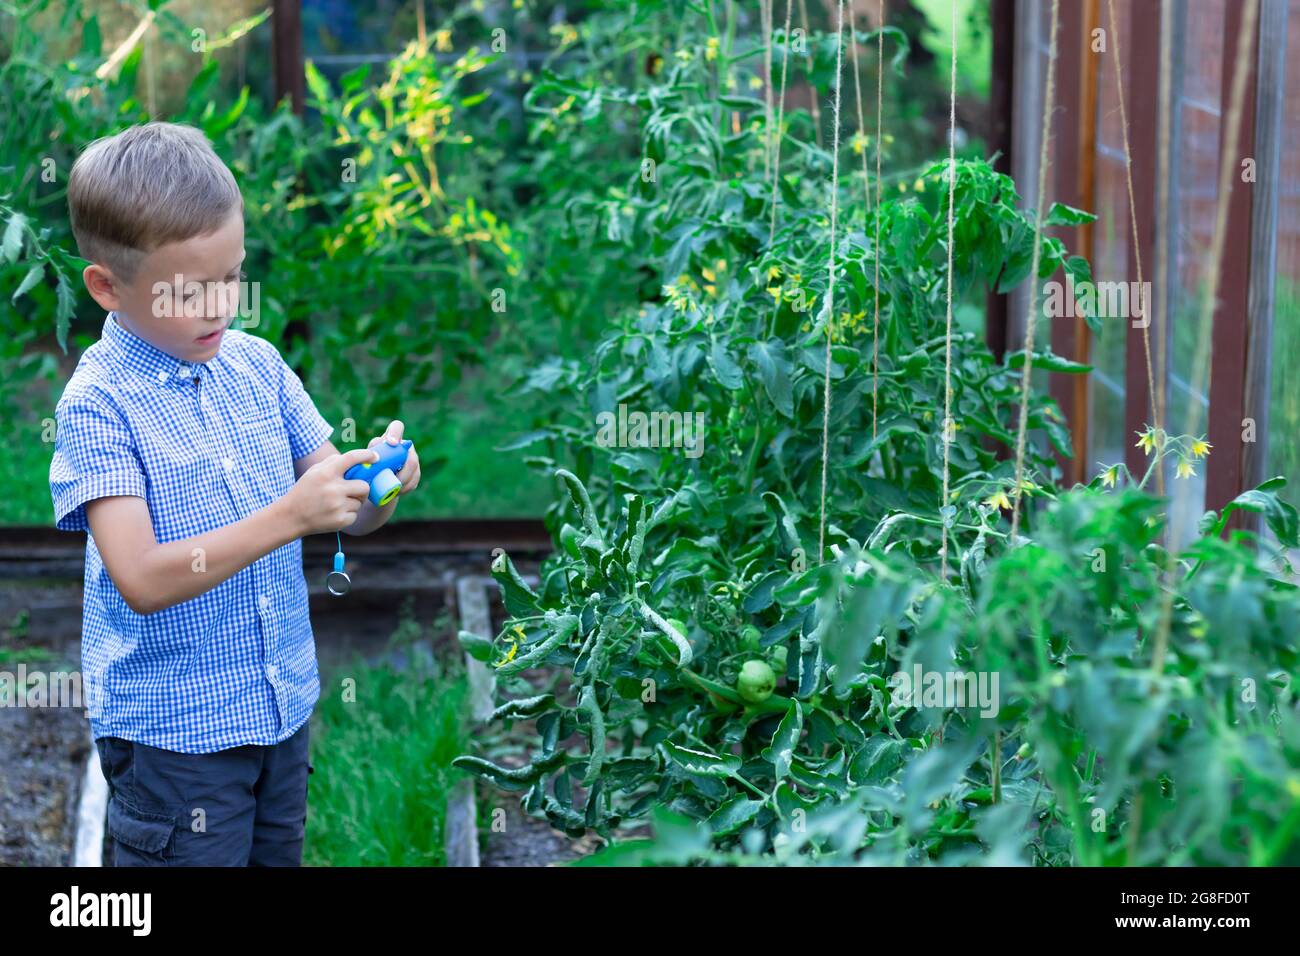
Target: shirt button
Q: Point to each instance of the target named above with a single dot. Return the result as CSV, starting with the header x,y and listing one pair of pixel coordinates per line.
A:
x,y
162,376
264,601
182,372
229,463
272,670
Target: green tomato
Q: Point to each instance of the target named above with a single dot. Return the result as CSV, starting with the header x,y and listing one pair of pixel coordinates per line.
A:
x,y
780,654
756,681
749,638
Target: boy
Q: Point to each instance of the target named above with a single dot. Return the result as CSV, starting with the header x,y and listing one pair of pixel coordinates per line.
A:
x,y
196,460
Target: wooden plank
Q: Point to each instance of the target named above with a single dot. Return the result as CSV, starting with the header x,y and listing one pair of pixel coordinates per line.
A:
x,y
1141,50
92,812
1002,24
1225,476
286,53
1073,182
472,600
31,551
460,837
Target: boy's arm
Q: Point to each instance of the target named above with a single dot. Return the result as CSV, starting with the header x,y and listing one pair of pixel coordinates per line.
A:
x,y
369,518
152,576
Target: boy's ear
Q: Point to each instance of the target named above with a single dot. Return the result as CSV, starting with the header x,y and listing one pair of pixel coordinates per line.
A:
x,y
102,286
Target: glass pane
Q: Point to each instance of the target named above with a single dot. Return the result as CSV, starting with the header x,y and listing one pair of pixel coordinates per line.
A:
x,y
1195,195
1284,405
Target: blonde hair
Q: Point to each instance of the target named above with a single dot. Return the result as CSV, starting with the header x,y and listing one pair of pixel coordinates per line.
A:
x,y
145,187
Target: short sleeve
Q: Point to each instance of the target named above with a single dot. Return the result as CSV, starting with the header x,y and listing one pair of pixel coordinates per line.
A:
x,y
94,457
306,427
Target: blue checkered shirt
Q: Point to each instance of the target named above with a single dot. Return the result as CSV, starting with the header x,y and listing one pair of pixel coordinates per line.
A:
x,y
204,445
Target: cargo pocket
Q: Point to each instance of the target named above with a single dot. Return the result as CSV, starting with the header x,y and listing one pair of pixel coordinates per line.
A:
x,y
146,833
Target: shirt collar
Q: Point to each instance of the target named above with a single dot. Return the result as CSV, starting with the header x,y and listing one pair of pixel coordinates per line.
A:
x,y
148,359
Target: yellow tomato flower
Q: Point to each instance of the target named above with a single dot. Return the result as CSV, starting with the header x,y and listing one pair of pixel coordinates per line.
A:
x,y
919,185
1185,469
1201,448
711,48
442,40
1146,441
755,83
998,499
1110,476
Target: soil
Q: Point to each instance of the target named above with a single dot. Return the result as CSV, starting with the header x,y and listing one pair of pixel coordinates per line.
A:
x,y
520,839
42,759
524,840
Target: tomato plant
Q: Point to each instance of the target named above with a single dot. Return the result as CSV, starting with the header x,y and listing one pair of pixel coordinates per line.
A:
x,y
1089,754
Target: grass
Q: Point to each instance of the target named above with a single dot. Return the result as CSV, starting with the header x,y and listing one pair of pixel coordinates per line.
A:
x,y
383,765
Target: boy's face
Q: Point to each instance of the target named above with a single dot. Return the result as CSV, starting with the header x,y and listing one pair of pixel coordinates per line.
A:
x,y
183,295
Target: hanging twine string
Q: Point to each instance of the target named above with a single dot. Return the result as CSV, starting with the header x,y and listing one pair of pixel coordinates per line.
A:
x,y
857,95
1031,314
780,121
947,340
866,183
830,288
875,325
765,24
1137,244
1229,152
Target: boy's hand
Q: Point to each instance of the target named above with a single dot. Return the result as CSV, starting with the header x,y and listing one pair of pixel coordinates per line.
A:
x,y
409,476
322,499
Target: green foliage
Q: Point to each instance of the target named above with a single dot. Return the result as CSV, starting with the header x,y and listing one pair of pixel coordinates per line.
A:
x,y
1086,754
383,766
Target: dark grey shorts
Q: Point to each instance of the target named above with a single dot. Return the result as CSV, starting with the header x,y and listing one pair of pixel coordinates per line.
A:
x,y
246,806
